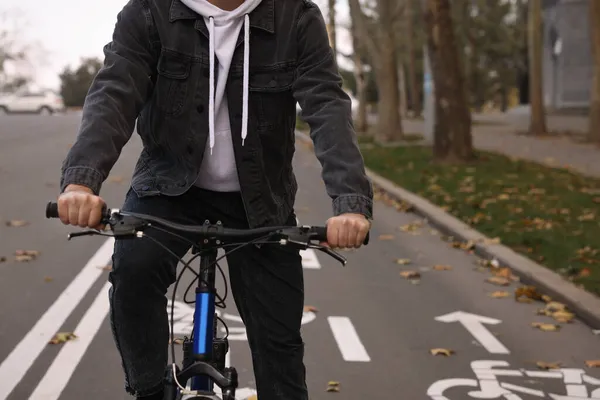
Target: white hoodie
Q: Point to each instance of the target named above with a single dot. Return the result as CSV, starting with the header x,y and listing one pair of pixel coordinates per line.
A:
x,y
218,171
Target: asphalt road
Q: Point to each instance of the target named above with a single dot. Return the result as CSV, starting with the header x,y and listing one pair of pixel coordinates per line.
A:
x,y
372,332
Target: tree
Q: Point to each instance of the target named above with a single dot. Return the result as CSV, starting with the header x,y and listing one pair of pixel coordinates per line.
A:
x,y
415,99
452,136
536,99
380,44
493,39
360,79
332,27
76,83
15,53
594,124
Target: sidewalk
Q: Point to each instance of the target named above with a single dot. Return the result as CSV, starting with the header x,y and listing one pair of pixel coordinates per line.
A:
x,y
500,137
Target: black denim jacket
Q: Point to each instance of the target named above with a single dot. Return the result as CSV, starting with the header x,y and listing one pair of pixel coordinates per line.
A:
x,y
156,71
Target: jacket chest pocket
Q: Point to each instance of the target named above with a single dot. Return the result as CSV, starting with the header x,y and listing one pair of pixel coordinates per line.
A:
x,y
175,83
271,91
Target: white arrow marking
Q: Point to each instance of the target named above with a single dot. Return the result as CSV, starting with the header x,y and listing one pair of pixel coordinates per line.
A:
x,y
474,324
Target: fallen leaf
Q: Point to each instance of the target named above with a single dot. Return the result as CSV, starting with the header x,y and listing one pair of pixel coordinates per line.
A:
x,y
26,255
585,272
499,294
441,352
441,267
554,306
546,298
403,261
546,327
498,280
386,237
412,227
505,273
563,316
312,309
410,274
333,386
546,366
48,279
116,179
16,223
62,337
495,240
527,292
593,363
106,267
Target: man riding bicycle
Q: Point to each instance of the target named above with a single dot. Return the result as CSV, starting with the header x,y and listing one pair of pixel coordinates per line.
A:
x,y
213,86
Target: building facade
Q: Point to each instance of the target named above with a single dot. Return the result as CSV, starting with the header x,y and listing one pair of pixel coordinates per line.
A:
x,y
567,63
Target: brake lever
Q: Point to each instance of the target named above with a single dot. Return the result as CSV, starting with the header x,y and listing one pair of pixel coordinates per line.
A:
x,y
331,253
90,232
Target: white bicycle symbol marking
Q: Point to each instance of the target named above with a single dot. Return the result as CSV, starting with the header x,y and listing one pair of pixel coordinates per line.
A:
x,y
183,321
490,388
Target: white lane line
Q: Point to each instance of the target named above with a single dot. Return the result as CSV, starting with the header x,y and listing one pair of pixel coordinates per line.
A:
x,y
18,362
309,259
347,339
58,375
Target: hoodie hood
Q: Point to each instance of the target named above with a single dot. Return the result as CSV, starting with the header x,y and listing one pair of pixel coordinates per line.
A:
x,y
217,18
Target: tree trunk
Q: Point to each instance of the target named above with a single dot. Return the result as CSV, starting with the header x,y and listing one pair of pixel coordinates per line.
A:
x,y
594,127
538,113
389,124
402,90
361,83
380,44
332,27
362,124
415,100
452,138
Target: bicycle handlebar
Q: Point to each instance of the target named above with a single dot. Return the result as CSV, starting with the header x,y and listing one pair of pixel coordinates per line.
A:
x,y
127,224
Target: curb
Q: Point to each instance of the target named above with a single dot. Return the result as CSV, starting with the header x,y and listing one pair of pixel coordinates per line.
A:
x,y
585,305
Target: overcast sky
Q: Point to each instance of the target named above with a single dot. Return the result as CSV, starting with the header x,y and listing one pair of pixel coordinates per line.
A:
x,y
71,29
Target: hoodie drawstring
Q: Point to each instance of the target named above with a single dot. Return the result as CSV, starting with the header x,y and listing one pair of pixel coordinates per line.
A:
x,y
211,81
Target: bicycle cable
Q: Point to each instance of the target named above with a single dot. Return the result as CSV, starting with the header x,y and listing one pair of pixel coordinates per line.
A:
x,y
187,266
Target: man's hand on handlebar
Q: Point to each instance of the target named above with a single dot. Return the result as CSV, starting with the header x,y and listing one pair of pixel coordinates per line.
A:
x,y
347,231
79,206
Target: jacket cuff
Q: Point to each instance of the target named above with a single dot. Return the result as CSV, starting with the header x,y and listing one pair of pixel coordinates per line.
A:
x,y
352,203
84,176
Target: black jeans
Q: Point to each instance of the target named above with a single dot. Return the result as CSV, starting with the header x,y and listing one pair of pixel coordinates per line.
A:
x,y
267,285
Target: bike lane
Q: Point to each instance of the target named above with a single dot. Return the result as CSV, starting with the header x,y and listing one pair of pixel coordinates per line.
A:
x,y
372,330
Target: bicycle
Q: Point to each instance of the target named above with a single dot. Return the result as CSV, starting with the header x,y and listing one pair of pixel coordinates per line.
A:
x,y
204,353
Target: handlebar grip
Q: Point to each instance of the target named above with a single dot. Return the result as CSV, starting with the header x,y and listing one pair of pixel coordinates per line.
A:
x,y
52,210
321,234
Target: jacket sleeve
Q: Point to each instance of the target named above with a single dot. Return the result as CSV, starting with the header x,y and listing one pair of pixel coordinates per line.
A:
x,y
327,110
115,98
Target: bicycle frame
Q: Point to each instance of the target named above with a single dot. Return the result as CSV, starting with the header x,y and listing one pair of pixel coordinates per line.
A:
x,y
204,356
206,347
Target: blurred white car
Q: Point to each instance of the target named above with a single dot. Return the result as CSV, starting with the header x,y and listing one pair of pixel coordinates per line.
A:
x,y
44,102
352,98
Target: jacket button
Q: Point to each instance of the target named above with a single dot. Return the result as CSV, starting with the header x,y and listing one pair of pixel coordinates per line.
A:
x,y
200,108
273,83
